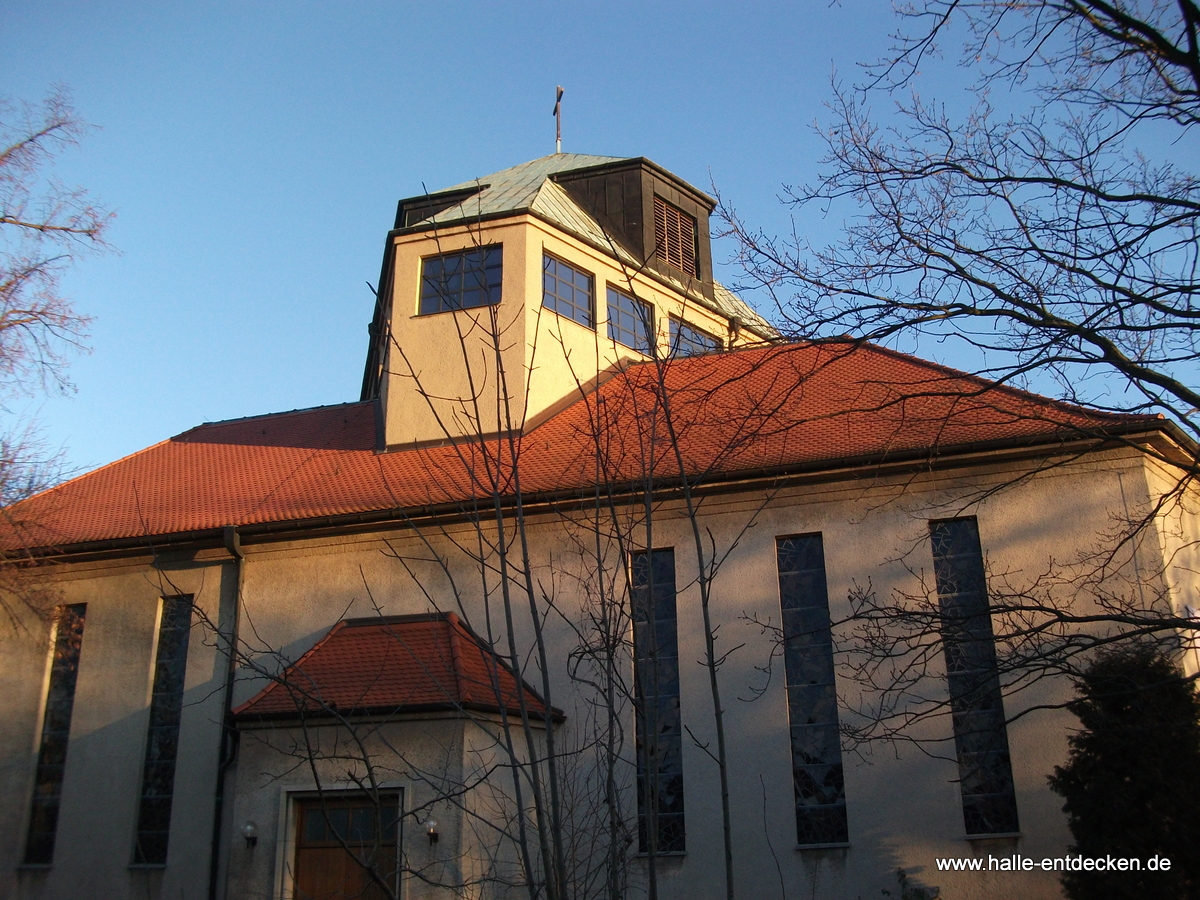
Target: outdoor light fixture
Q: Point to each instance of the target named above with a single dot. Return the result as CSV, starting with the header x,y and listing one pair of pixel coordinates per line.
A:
x,y
249,831
431,829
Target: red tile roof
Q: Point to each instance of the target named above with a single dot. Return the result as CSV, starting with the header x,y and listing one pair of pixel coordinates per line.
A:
x,y
395,664
778,408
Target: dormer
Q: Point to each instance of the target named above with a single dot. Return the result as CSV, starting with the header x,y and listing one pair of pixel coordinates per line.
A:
x,y
501,300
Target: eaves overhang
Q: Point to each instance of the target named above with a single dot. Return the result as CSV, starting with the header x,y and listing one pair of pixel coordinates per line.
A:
x,y
415,711
1175,447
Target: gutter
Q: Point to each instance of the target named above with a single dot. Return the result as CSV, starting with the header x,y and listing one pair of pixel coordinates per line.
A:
x,y
247,721
817,471
230,736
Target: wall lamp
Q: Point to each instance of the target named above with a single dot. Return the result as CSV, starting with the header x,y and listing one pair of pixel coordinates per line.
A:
x,y
249,831
430,827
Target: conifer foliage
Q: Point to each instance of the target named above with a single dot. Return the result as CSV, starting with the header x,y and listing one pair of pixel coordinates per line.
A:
x,y
1132,780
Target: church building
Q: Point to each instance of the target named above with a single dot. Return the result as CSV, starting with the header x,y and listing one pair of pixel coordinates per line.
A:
x,y
574,600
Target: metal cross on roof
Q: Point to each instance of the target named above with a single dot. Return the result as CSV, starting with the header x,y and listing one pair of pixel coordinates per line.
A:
x,y
558,120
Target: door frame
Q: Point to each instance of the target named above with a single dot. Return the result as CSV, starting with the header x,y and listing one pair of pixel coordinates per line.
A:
x,y
290,798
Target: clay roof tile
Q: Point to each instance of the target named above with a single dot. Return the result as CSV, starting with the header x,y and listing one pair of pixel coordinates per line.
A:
x,y
781,407
390,665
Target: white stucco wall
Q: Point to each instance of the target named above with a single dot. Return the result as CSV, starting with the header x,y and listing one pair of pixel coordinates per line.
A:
x,y
102,781
544,358
904,808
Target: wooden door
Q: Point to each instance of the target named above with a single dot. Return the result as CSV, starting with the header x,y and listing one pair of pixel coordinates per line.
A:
x,y
345,846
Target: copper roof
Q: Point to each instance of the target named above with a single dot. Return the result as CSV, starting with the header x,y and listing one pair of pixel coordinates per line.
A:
x,y
529,187
393,665
511,189
781,408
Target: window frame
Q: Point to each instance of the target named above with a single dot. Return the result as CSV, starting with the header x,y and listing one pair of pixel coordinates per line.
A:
x,y
969,650
668,743
675,223
572,314
162,678
61,683
649,321
444,296
811,584
675,331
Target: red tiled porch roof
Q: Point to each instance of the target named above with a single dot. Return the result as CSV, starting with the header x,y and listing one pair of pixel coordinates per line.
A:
x,y
776,408
395,664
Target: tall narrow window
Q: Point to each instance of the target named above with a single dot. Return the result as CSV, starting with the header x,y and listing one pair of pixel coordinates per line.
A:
x,y
630,321
568,291
980,737
812,694
687,340
162,741
659,725
462,280
56,726
675,236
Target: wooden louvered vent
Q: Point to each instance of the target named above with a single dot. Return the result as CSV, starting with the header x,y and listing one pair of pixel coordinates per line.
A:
x,y
675,236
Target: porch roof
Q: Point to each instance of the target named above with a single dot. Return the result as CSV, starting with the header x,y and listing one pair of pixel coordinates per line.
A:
x,y
394,665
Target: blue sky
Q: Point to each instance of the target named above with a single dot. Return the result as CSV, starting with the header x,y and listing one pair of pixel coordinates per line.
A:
x,y
254,154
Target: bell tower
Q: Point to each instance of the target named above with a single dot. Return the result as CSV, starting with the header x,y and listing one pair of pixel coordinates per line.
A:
x,y
504,299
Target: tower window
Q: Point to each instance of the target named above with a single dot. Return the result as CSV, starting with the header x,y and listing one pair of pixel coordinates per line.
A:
x,y
462,280
630,321
675,237
568,291
689,341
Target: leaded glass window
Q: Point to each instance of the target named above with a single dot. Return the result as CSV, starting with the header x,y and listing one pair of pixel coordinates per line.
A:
x,y
659,725
162,740
817,775
56,728
977,709
462,280
568,291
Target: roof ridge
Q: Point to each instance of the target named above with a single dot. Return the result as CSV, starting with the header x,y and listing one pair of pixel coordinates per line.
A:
x,y
175,438
188,489
271,415
330,678
599,160
989,384
457,659
501,662
291,667
401,619
856,344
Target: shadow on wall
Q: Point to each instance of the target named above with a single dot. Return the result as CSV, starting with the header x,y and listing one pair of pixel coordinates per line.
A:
x,y
98,818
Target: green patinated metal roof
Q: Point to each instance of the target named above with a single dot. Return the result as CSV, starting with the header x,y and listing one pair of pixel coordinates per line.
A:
x,y
514,188
528,187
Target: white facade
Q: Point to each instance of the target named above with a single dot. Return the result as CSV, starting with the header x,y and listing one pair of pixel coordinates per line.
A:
x,y
1039,510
